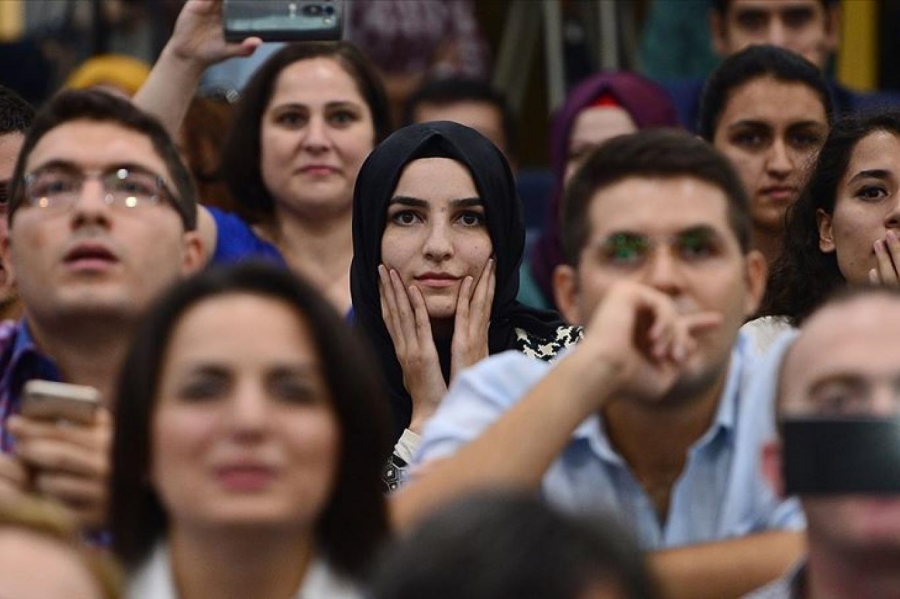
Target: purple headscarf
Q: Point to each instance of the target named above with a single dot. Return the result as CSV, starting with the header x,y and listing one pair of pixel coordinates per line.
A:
x,y
649,106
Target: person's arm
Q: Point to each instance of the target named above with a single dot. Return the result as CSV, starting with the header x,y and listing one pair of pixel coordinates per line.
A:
x,y
197,42
725,569
517,450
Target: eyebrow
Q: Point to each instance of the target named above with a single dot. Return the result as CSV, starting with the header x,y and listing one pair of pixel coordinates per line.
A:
x,y
877,173
419,203
72,166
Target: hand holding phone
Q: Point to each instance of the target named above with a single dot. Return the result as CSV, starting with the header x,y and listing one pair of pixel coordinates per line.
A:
x,y
68,463
283,20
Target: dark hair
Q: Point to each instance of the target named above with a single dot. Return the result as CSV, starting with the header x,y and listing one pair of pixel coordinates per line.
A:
x,y
659,153
101,107
757,62
242,152
803,276
722,6
355,519
16,114
446,91
500,546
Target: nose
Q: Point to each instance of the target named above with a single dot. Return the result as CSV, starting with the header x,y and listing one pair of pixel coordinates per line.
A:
x,y
777,33
248,413
780,162
663,271
884,401
892,218
438,243
91,207
317,137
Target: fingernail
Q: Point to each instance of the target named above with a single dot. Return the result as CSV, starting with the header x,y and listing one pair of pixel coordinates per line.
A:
x,y
891,235
879,245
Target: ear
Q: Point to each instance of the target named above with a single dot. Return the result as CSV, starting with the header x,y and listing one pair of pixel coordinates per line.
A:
x,y
566,293
826,235
756,273
771,466
717,33
833,23
193,254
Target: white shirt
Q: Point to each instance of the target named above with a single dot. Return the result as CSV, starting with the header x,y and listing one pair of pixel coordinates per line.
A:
x,y
154,581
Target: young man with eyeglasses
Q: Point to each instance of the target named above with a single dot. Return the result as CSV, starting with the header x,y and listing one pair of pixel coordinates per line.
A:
x,y
102,218
647,417
15,118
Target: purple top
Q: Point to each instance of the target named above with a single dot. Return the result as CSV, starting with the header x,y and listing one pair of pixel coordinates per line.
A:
x,y
649,106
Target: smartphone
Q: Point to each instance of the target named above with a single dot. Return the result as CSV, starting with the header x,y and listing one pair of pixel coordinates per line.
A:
x,y
283,20
48,400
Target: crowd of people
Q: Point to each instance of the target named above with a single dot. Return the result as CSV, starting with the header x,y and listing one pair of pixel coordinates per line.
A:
x,y
332,364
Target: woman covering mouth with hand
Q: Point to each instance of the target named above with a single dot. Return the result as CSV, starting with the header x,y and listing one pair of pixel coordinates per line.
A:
x,y
438,238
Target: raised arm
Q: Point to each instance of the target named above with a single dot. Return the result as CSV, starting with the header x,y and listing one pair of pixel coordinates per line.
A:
x,y
726,569
197,42
517,450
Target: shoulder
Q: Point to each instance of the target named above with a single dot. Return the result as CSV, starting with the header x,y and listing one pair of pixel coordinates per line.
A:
x,y
236,240
764,331
547,348
321,581
153,580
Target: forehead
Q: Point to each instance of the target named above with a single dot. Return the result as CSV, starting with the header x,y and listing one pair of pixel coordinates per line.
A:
x,y
484,117
599,123
772,6
659,206
768,100
315,80
96,145
860,337
879,150
418,177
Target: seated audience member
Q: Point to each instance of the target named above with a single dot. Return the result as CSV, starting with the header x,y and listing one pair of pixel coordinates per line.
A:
x,y
302,128
246,461
844,226
101,219
810,28
838,408
435,269
467,101
116,74
43,557
768,111
512,547
16,116
648,415
601,107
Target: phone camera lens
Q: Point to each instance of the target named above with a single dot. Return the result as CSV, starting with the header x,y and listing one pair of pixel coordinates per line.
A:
x,y
329,10
312,10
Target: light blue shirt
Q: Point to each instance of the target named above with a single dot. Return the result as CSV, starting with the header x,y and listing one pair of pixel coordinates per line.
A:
x,y
720,494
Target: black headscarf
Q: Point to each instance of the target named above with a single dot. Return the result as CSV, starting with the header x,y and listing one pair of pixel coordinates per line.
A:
x,y
493,179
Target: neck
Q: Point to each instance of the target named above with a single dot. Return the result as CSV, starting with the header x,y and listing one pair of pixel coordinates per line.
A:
x,y
251,563
320,249
654,437
832,575
87,351
768,242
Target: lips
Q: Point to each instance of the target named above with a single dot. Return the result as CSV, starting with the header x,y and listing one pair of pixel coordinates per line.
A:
x,y
318,169
90,254
245,477
436,279
781,193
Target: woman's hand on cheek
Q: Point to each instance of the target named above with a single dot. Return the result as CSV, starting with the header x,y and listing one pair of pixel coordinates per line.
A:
x,y
887,261
409,326
473,319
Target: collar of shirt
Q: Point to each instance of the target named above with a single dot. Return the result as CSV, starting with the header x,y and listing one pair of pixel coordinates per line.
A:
x,y
591,430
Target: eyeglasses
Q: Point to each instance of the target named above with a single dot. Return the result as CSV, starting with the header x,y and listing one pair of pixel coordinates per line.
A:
x,y
633,250
58,188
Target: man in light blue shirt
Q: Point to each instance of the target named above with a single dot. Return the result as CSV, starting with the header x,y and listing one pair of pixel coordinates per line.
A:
x,y
648,416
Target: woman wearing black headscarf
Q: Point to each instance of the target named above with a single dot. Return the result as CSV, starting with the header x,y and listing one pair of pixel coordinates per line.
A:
x,y
438,238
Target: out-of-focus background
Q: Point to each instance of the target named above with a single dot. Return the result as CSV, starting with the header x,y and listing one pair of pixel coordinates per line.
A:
x,y
534,50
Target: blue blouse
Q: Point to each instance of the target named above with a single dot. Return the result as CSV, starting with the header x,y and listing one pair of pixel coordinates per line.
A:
x,y
236,241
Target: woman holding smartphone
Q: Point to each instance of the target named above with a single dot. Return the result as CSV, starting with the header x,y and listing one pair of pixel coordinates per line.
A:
x,y
303,127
